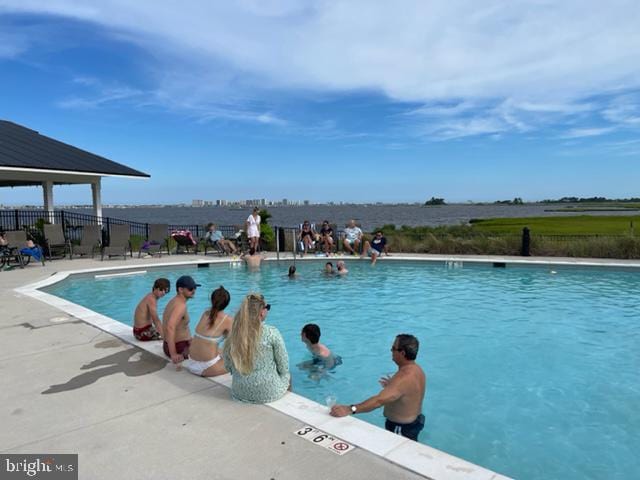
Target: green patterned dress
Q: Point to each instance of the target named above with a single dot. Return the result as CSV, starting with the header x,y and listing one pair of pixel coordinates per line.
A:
x,y
270,377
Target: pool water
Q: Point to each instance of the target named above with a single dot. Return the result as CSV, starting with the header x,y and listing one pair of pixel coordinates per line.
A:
x,y
531,373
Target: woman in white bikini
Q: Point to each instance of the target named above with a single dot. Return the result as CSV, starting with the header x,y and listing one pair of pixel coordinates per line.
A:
x,y
213,327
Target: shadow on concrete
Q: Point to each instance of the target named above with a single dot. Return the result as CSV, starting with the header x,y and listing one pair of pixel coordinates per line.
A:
x,y
120,362
111,343
38,327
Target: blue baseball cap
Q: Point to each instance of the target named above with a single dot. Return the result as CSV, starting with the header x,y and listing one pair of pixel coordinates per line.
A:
x,y
187,282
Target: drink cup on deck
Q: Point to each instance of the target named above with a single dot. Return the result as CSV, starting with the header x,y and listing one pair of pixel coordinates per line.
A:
x,y
330,400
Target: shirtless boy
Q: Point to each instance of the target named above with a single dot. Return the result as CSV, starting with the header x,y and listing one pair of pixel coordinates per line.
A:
x,y
175,321
310,336
146,323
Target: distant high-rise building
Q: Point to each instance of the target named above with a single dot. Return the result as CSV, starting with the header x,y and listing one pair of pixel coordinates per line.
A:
x,y
285,201
197,203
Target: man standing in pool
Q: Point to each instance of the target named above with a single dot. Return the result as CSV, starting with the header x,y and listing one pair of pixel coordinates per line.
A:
x,y
401,395
175,321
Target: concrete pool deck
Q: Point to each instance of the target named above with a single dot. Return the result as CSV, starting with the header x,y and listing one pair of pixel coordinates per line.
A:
x,y
71,387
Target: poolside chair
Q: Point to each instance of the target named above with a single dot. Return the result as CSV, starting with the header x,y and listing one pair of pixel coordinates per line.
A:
x,y
213,246
90,241
342,235
54,239
336,241
157,241
300,244
119,242
184,241
16,243
241,239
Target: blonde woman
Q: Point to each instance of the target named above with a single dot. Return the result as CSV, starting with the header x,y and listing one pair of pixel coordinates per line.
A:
x,y
255,355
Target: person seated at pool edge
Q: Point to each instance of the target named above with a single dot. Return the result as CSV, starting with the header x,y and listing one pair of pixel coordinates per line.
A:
x,y
214,235
213,327
310,336
353,237
377,246
328,268
326,237
175,321
402,394
146,323
307,237
342,268
255,355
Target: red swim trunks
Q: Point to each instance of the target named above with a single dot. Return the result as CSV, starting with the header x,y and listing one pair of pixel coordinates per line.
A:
x,y
182,347
146,333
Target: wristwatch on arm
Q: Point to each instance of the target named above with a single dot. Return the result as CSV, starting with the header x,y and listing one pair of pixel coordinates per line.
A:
x,y
354,409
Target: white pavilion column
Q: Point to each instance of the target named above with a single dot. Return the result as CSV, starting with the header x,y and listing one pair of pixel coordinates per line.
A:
x,y
47,190
96,191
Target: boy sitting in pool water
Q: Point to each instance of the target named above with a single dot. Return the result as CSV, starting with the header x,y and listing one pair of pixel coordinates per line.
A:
x,y
146,323
322,356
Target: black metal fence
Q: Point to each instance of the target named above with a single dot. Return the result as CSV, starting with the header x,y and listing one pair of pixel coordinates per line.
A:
x,y
286,238
72,223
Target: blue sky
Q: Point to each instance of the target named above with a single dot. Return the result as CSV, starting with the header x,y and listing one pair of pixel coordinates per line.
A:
x,y
332,100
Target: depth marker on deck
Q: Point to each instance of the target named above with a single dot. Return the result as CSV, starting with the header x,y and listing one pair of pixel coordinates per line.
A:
x,y
325,440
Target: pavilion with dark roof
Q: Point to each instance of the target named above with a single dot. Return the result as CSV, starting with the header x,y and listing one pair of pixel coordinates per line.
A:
x,y
28,158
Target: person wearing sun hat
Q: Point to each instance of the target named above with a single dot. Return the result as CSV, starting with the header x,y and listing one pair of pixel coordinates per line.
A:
x,y
175,321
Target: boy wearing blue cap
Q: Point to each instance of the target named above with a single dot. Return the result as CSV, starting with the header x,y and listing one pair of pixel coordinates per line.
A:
x,y
175,321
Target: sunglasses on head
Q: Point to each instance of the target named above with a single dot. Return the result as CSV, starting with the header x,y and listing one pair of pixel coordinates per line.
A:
x,y
267,306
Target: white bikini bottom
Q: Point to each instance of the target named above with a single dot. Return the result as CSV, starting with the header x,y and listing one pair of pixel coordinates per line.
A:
x,y
197,367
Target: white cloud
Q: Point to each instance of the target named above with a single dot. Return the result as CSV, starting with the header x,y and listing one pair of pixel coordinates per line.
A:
x,y
587,132
410,50
476,67
105,96
624,110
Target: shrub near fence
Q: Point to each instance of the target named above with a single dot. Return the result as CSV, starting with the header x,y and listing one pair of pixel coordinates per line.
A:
x,y
464,240
622,247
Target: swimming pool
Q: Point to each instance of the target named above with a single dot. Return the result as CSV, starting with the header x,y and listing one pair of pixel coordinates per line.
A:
x,y
531,374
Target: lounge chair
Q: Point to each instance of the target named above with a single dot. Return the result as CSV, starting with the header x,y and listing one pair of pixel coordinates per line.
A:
x,y
185,241
314,243
15,250
158,239
119,242
213,246
336,241
55,240
241,239
90,241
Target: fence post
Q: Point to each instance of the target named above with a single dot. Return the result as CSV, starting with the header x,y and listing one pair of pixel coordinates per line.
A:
x,y
146,227
526,242
277,243
17,219
295,245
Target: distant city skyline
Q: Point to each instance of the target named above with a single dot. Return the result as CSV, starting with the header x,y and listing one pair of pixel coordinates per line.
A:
x,y
317,101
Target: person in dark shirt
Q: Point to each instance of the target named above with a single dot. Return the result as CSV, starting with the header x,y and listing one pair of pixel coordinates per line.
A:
x,y
326,237
376,247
